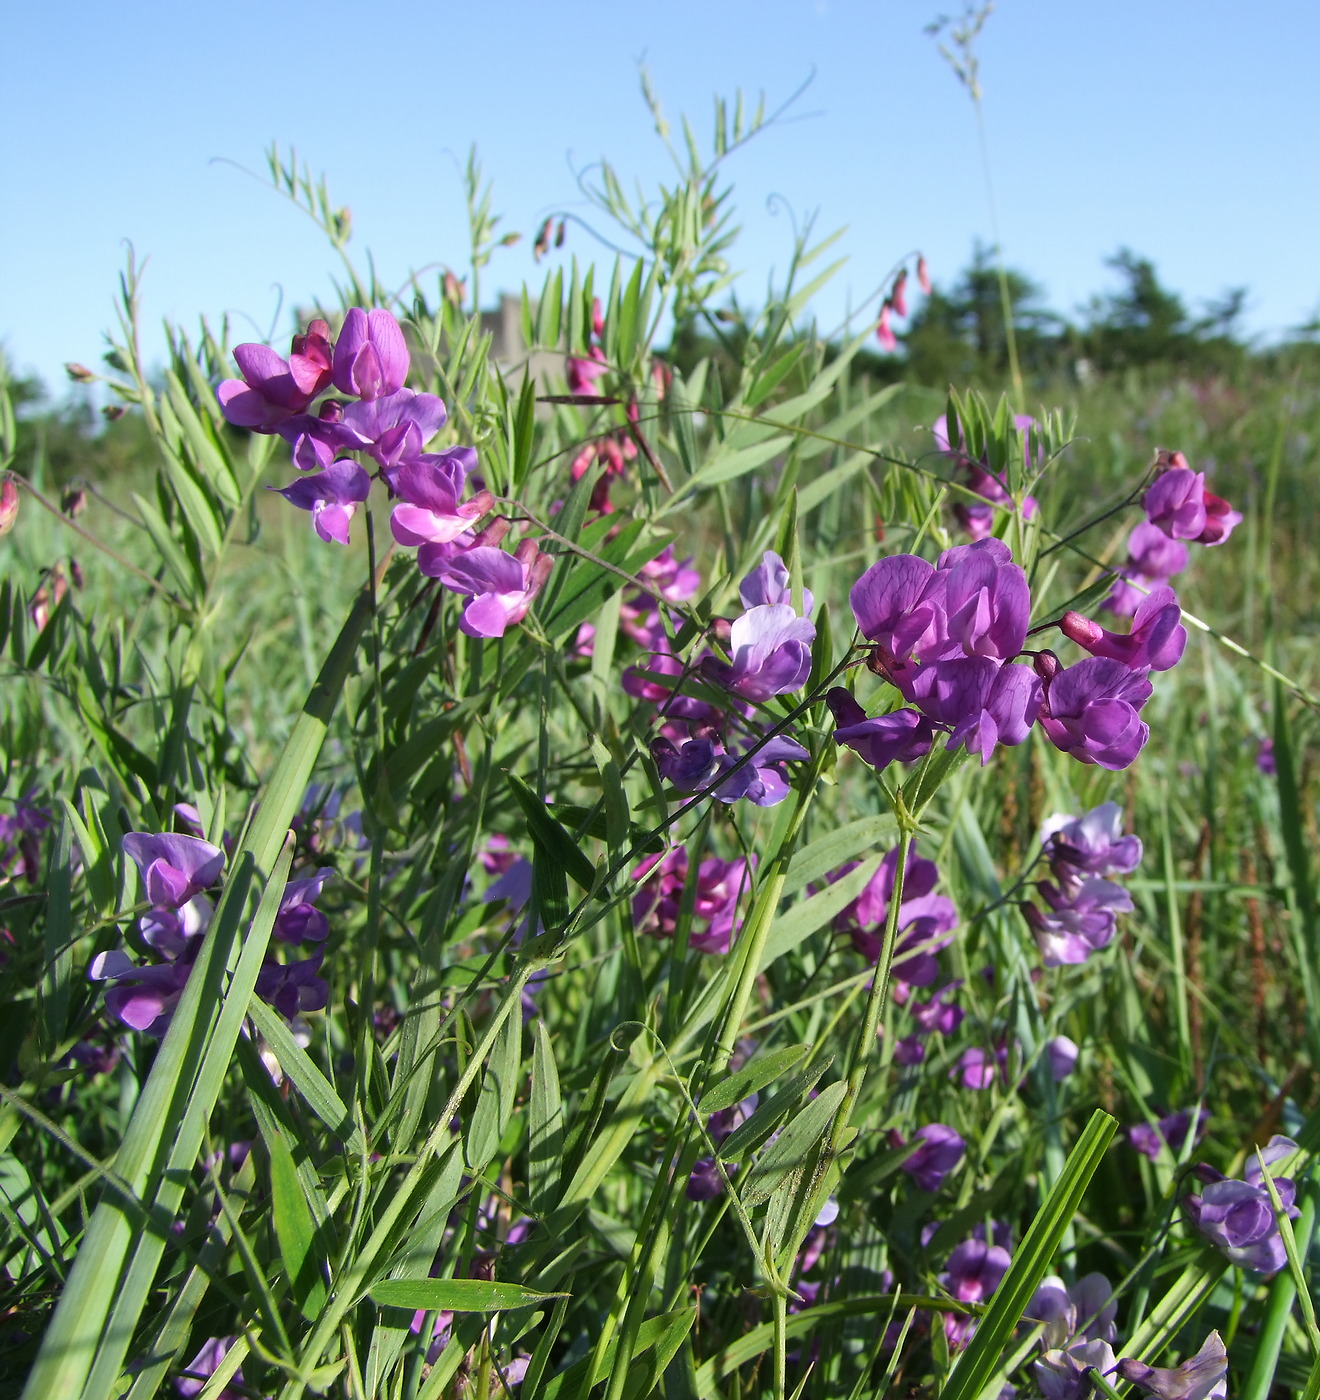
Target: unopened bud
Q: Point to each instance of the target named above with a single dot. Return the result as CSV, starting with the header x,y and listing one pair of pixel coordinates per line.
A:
x,y
510,239
73,501
923,276
1165,458
721,630
1046,665
1081,629
8,505
493,533
114,412
80,374
597,317
559,234
898,297
332,411
75,574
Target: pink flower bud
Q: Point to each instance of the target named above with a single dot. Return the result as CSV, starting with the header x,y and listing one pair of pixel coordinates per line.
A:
x,y
80,374
1081,629
898,297
8,505
883,333
923,276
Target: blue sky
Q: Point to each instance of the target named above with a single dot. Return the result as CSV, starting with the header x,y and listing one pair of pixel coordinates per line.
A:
x,y
1186,131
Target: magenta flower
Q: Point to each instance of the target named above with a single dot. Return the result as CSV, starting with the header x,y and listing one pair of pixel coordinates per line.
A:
x,y
1153,558
769,583
975,1269
393,428
925,920
1265,760
1090,710
174,868
1077,922
982,702
978,1068
1175,502
884,332
763,779
940,1013
582,373
903,736
985,599
429,487
979,520
332,496
940,1152
1157,639
1092,844
898,605
499,587
771,650
371,357
272,389
1220,520
1201,1377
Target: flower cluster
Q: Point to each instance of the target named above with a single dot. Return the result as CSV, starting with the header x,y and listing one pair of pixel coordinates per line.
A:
x,y
979,520
973,1272
1178,508
720,885
20,841
1238,1216
1171,1131
176,870
388,425
768,651
939,1150
895,304
1080,905
1078,1336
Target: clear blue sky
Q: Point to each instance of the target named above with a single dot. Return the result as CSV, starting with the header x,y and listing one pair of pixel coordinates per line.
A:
x,y
1185,129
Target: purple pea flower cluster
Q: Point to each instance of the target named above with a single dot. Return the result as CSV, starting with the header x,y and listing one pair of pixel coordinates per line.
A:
x,y
20,841
926,921
1081,905
176,870
720,886
389,425
979,520
769,654
1178,508
1170,1131
1078,1336
1238,1216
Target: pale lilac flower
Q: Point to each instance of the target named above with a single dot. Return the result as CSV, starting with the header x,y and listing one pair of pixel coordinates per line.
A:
x,y
903,736
1090,709
1065,1373
771,650
940,1152
1156,641
1078,922
273,390
499,587
1201,1377
769,583
1062,1054
1171,1129
1092,844
174,868
371,357
332,496
1083,1312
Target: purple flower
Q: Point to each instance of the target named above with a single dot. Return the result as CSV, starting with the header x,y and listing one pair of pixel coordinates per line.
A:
x,y
332,496
705,1182
1175,501
299,920
499,587
1092,844
292,988
371,357
940,1152
1157,639
19,840
1090,709
1079,921
204,1365
698,763
1201,1377
143,998
720,886
174,868
1265,760
1153,558
940,1013
979,520
903,736
925,920
1220,520
771,650
769,584
429,487
687,765
1171,1129
897,605
393,429
1238,1217
986,601
975,1269
1062,1054
273,390
984,702
979,1068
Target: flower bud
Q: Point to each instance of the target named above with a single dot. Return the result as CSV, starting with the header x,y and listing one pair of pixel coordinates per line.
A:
x,y
923,275
114,411
8,505
73,501
80,374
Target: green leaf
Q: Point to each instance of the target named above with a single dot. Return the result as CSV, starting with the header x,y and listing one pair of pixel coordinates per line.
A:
x,y
977,1365
468,1295
787,1156
549,836
294,1229
499,1088
750,1135
545,1130
808,915
751,1077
